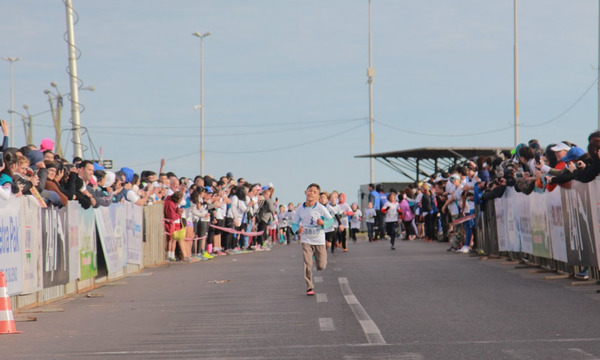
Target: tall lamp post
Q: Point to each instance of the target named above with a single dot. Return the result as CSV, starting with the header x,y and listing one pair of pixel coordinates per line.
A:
x,y
516,75
27,123
201,36
370,76
11,60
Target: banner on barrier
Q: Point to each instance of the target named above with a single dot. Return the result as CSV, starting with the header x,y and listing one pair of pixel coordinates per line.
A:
x,y
557,227
31,235
579,230
540,227
134,234
108,241
55,247
118,218
82,232
10,245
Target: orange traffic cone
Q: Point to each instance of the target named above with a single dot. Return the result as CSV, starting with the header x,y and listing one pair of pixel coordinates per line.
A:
x,y
7,322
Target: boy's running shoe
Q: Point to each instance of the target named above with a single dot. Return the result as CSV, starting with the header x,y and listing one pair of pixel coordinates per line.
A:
x,y
310,292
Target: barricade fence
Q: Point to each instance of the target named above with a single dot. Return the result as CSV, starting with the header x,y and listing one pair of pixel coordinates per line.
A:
x,y
558,229
48,253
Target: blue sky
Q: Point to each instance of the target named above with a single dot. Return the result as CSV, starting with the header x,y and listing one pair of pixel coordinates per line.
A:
x,y
286,98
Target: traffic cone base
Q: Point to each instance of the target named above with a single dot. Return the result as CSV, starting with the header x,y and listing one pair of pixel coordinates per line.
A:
x,y
7,321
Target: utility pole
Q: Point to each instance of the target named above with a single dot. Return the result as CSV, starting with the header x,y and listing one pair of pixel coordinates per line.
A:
x,y
371,75
77,146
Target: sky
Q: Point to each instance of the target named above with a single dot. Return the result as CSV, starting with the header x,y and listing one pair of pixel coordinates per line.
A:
x,y
285,84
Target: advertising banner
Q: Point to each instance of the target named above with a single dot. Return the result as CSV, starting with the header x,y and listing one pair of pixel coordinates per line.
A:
x,y
55,247
524,214
118,217
10,245
31,235
540,226
513,236
112,253
82,226
134,234
554,209
579,231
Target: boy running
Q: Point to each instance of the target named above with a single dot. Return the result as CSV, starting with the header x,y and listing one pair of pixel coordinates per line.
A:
x,y
311,219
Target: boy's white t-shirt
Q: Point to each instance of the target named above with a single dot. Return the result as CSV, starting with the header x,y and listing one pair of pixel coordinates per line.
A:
x,y
307,217
370,215
355,220
457,195
391,213
343,209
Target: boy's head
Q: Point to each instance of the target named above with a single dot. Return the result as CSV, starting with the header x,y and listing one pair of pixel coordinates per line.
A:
x,y
323,198
291,206
370,205
333,197
281,208
354,206
312,192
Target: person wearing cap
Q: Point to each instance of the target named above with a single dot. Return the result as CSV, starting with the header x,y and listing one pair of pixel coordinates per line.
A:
x,y
574,156
588,171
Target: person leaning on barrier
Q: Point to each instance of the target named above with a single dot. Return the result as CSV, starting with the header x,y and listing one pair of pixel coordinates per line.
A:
x,y
54,175
122,191
591,170
96,188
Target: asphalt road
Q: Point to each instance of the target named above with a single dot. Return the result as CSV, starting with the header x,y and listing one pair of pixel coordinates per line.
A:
x,y
417,302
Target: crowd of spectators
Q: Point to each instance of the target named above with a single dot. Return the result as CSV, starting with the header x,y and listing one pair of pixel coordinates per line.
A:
x,y
441,208
196,210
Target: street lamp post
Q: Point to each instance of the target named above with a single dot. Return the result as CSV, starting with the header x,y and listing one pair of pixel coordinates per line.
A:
x,y
28,126
516,75
371,75
11,60
201,36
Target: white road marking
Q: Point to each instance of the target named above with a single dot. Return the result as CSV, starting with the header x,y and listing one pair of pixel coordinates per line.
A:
x,y
318,279
326,324
321,297
368,325
587,355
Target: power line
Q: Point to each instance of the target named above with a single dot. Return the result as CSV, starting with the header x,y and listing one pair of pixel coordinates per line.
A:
x,y
237,125
291,146
256,151
443,135
568,109
298,127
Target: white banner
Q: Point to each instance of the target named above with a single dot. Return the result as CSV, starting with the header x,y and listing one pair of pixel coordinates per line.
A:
x,y
10,245
134,233
557,225
31,233
513,242
112,255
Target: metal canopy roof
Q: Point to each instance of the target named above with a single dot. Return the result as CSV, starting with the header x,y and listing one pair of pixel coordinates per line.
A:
x,y
429,160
